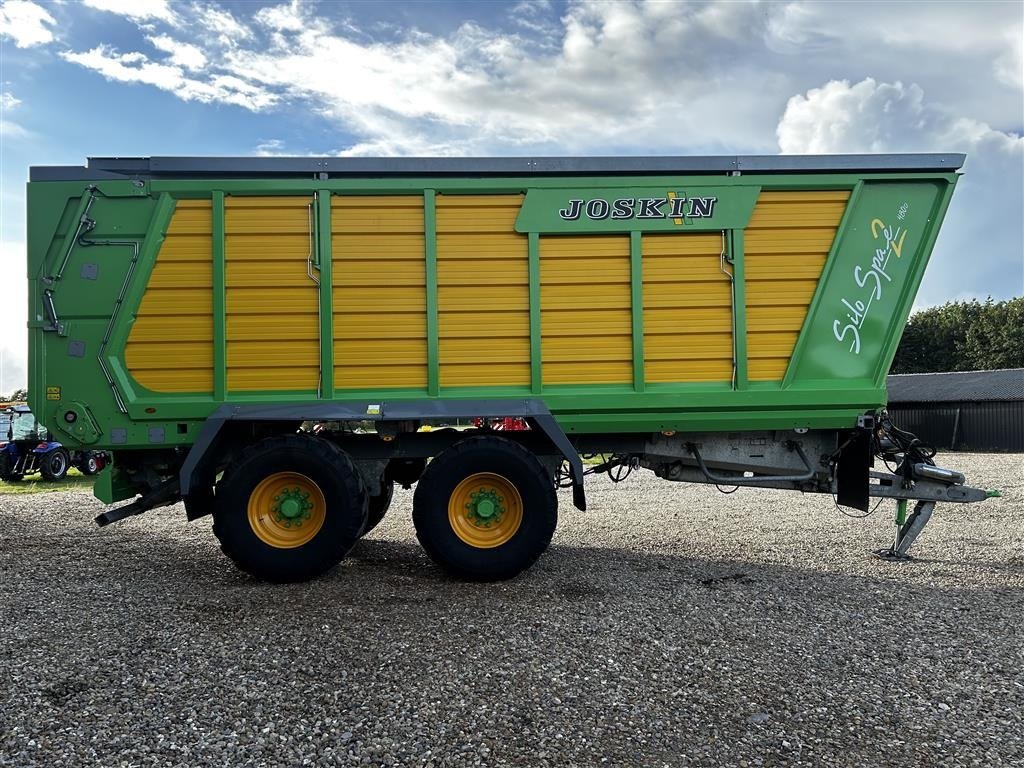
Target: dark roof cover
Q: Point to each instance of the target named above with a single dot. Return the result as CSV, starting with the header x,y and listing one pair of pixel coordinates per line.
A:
x,y
100,168
968,386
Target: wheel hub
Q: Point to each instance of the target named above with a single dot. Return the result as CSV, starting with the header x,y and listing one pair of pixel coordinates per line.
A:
x,y
485,507
291,507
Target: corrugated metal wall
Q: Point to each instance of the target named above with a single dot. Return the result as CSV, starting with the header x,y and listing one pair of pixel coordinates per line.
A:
x,y
992,426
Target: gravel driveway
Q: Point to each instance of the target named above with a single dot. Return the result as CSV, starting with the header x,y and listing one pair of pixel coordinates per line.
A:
x,y
669,625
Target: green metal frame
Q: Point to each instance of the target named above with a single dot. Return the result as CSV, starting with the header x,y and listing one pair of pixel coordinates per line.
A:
x,y
636,292
536,344
636,407
430,254
325,248
220,332
737,258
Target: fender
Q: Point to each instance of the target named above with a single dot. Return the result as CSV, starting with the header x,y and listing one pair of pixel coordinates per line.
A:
x,y
45,447
531,409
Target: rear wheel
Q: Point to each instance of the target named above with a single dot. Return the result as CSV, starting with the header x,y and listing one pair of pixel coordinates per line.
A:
x,y
289,508
54,465
485,509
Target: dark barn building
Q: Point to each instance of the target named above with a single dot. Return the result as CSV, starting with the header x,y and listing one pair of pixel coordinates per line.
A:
x,y
969,411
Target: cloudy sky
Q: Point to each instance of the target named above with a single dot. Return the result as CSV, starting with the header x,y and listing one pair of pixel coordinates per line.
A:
x,y
161,77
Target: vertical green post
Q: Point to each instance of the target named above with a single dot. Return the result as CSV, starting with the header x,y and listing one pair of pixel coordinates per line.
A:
x,y
739,306
636,285
430,253
323,244
901,513
220,323
536,363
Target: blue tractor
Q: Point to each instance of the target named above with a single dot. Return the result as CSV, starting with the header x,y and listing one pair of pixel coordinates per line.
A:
x,y
25,448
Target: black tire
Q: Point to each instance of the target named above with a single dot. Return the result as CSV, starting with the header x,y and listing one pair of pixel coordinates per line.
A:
x,y
517,466
54,465
90,465
329,471
378,505
5,469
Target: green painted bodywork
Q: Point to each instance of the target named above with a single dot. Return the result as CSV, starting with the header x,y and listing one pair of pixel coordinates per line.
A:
x,y
829,383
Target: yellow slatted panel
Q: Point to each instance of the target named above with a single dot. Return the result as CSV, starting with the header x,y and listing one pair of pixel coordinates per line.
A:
x,y
483,291
272,304
687,309
586,278
379,292
786,245
170,347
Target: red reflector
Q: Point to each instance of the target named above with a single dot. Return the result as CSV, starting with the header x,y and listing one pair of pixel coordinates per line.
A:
x,y
151,410
41,446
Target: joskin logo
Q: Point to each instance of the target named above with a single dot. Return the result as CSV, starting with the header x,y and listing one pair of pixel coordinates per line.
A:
x,y
592,210
673,206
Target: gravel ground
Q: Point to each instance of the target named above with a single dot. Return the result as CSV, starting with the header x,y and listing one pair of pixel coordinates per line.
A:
x,y
667,626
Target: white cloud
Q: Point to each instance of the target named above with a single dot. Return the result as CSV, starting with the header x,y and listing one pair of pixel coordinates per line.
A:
x,y
623,74
270,148
8,101
981,245
284,18
13,318
26,23
1009,65
604,77
183,54
135,67
225,27
11,130
137,10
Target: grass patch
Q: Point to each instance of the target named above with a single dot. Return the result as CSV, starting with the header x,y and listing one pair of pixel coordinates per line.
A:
x,y
36,484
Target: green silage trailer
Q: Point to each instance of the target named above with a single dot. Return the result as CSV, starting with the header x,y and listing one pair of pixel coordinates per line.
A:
x,y
278,341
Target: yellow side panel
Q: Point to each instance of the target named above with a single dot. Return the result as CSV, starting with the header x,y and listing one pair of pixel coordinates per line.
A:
x,y
170,347
687,309
786,245
586,323
379,292
483,292
272,304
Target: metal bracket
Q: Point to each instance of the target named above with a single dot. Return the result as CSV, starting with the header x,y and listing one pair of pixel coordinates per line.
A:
x,y
754,481
908,529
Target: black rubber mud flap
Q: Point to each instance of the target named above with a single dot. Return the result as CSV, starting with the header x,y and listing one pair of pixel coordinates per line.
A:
x,y
852,472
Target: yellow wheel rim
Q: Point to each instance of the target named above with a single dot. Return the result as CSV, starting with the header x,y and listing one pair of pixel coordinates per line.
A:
x,y
485,510
286,510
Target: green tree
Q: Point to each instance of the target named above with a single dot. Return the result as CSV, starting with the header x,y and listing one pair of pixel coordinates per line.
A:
x,y
18,394
963,336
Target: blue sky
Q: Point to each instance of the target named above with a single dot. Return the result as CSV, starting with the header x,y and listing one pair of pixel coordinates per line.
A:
x,y
82,78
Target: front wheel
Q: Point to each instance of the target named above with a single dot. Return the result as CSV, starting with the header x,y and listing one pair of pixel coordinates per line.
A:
x,y
485,509
289,508
54,465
